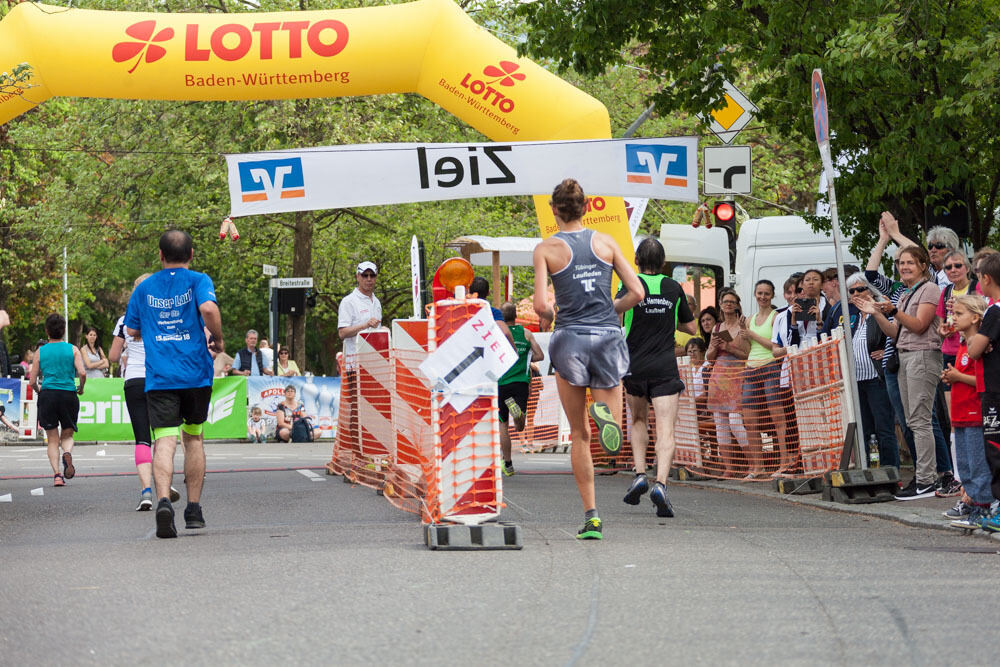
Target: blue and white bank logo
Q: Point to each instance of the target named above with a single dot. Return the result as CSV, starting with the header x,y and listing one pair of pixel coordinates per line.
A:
x,y
271,180
656,165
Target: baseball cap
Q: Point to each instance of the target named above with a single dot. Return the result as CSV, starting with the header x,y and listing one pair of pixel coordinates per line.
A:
x,y
367,266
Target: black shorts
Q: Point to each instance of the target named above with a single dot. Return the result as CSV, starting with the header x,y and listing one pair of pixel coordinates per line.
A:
x,y
173,407
58,408
519,391
653,387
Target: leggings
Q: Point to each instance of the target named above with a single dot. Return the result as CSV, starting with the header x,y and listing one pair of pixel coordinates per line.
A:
x,y
135,401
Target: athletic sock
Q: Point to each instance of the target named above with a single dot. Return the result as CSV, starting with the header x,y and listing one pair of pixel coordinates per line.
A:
x,y
509,464
145,491
590,514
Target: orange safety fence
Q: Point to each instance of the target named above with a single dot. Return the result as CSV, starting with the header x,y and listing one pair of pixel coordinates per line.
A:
x,y
787,417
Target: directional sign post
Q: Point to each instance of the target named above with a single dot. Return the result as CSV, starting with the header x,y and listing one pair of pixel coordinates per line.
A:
x,y
727,122
727,170
821,123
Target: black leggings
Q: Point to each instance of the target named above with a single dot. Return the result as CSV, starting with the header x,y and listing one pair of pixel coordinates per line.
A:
x,y
135,401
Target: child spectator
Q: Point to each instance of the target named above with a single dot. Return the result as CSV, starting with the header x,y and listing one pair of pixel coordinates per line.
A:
x,y
256,426
966,414
986,345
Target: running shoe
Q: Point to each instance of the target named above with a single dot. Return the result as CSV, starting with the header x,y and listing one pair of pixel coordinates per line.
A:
x,y
145,502
592,530
175,495
959,511
58,480
640,485
165,519
68,470
508,469
193,517
659,497
947,486
914,490
974,519
516,412
608,431
990,522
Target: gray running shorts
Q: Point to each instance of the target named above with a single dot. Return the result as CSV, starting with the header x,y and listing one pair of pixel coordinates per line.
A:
x,y
595,358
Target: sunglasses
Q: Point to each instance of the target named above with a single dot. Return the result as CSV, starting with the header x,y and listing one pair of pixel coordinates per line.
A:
x,y
936,246
367,274
730,303
951,267
858,290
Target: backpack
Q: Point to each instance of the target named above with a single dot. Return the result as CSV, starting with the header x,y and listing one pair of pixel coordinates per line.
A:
x,y
301,430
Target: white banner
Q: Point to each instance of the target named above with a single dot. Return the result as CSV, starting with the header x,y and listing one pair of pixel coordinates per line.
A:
x,y
373,174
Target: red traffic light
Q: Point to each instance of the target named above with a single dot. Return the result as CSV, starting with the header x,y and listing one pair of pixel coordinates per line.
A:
x,y
724,211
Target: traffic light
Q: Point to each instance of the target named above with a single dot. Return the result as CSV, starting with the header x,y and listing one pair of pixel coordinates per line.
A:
x,y
724,212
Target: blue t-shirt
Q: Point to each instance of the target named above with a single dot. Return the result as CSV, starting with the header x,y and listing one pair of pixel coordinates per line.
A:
x,y
164,308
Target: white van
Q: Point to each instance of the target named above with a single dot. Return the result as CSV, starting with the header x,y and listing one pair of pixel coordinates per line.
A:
x,y
771,248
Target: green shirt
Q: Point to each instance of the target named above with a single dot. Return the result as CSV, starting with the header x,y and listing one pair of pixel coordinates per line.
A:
x,y
519,371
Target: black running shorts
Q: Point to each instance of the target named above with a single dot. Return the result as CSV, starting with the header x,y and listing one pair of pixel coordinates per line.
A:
x,y
58,408
173,407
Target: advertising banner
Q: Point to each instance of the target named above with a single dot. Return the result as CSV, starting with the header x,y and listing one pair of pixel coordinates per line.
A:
x,y
104,416
10,404
319,395
375,174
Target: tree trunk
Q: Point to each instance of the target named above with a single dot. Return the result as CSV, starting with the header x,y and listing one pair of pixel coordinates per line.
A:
x,y
301,268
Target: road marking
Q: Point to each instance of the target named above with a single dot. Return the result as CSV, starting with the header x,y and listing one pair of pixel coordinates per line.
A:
x,y
311,475
100,452
38,492
6,498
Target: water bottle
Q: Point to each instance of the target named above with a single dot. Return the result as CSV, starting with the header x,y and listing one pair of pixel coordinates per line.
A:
x,y
873,456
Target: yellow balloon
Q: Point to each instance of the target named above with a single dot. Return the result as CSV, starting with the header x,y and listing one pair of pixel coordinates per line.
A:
x,y
430,47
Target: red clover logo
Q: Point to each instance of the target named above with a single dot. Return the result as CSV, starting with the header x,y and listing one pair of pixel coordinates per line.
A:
x,y
142,31
505,73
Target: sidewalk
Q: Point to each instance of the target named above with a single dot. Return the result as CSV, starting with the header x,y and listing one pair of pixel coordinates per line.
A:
x,y
920,513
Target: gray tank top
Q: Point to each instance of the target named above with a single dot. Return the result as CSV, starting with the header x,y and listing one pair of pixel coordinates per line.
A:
x,y
583,288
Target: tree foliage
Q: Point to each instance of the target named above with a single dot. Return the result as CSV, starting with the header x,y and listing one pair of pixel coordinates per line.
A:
x,y
910,85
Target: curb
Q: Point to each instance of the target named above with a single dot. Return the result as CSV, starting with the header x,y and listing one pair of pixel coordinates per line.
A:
x,y
917,517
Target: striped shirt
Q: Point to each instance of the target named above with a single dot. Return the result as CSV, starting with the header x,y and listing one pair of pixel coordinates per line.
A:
x,y
864,367
894,291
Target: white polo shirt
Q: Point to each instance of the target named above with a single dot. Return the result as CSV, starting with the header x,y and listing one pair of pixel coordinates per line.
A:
x,y
355,309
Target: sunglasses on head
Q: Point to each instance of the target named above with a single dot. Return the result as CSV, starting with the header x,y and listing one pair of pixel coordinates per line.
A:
x,y
858,290
950,267
936,246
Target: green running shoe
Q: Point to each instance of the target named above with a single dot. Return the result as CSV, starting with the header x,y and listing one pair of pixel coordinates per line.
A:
x,y
591,530
608,431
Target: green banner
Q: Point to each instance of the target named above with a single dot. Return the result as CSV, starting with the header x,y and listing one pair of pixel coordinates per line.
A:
x,y
104,416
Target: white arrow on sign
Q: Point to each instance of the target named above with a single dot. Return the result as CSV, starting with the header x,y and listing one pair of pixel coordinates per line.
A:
x,y
727,170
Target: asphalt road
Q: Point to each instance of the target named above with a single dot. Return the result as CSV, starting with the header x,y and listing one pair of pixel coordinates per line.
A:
x,y
298,566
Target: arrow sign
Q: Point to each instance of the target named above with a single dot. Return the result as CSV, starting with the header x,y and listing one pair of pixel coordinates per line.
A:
x,y
473,357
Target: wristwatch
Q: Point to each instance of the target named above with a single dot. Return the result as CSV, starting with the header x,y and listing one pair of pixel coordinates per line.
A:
x,y
892,313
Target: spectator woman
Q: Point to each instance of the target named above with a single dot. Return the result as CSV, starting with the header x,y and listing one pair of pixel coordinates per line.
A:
x,y
29,355
94,359
966,413
807,323
728,352
291,412
957,268
58,364
918,345
707,319
941,242
868,340
761,383
286,367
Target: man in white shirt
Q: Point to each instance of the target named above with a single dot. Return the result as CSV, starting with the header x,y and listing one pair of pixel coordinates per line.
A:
x,y
359,310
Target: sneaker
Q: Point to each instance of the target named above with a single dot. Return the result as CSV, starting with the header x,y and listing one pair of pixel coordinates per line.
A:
x,y
659,497
592,530
192,517
145,502
175,495
914,490
68,470
959,511
165,519
508,469
516,412
974,519
58,480
947,486
638,488
990,522
609,433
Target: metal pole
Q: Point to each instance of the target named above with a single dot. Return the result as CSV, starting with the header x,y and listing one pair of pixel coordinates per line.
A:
x,y
65,295
643,117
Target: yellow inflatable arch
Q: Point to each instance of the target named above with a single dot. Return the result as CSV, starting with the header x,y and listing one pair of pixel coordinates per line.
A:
x,y
430,47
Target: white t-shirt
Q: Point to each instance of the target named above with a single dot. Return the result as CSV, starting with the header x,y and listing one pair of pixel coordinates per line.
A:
x,y
135,351
355,309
